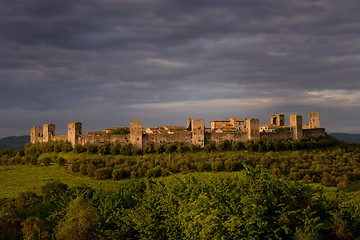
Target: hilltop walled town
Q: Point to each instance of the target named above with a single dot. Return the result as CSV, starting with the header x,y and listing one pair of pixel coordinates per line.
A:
x,y
232,129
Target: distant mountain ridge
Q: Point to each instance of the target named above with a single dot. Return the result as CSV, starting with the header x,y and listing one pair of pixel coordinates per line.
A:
x,y
17,142
348,137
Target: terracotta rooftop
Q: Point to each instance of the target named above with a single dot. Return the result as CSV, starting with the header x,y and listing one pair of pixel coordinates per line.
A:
x,y
226,120
237,119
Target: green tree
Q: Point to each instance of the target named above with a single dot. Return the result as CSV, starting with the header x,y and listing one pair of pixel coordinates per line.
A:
x,y
79,222
34,229
119,131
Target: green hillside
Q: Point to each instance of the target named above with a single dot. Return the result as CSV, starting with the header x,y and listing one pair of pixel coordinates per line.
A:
x,y
16,142
351,138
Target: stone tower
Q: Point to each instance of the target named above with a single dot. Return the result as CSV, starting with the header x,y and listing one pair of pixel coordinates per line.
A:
x,y
314,120
278,119
198,132
296,126
136,132
48,132
74,131
252,128
35,134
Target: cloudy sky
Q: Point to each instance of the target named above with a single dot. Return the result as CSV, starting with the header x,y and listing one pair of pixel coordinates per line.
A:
x,y
105,62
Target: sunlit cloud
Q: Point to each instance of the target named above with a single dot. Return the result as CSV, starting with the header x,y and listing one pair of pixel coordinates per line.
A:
x,y
201,104
164,63
335,98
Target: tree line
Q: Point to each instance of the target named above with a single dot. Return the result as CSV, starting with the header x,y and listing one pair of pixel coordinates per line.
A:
x,y
323,160
262,145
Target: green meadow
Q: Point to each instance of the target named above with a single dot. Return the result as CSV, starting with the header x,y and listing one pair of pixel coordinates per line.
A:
x,y
23,178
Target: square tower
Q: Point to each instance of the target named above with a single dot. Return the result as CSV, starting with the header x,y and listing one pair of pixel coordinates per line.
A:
x,y
74,131
136,132
48,132
35,134
314,120
252,128
296,126
198,132
278,119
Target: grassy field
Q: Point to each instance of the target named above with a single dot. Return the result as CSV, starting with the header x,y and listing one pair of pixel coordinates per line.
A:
x,y
21,178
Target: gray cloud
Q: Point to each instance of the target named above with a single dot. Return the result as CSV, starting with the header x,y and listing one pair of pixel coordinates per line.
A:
x,y
106,62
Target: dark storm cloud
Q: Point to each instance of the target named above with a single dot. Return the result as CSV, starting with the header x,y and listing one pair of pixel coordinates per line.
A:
x,y
129,59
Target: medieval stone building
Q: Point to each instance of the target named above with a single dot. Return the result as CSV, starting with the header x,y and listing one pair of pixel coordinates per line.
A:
x,y
196,133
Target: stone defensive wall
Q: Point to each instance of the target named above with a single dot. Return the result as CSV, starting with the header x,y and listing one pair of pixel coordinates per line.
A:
x,y
196,135
217,137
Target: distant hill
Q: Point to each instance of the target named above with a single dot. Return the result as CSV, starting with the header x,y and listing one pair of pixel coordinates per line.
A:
x,y
14,142
351,138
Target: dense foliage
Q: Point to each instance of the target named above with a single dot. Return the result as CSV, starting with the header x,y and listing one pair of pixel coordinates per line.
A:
x,y
264,145
10,152
263,201
255,205
119,131
282,129
325,160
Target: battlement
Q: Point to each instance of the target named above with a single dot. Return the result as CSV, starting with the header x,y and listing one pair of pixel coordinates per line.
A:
x,y
233,129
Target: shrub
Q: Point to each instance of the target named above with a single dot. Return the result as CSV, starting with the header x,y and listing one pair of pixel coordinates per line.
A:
x,y
115,149
53,188
58,146
79,221
11,228
210,146
46,161
104,148
160,148
61,161
153,173
342,185
90,170
78,148
149,147
18,159
34,228
231,165
126,149
30,148
33,160
66,147
237,146
170,148
103,173
217,166
11,152
181,148
83,168
224,145
119,131
193,148
91,148
135,150
74,166
282,129
23,198
120,173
